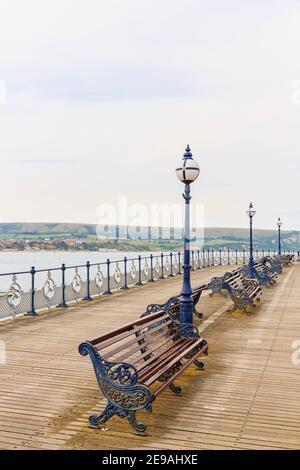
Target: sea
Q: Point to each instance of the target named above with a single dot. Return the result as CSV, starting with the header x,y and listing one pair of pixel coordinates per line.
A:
x,y
16,262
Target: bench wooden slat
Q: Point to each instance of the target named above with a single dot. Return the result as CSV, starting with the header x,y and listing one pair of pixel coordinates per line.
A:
x,y
145,346
123,328
145,366
148,350
162,361
156,376
142,336
178,373
173,339
113,338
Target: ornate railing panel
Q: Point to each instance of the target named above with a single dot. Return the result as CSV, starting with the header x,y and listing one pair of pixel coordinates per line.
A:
x,y
34,290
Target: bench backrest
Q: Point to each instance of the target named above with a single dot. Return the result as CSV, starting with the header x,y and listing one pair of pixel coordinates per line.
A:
x,y
235,278
138,342
173,304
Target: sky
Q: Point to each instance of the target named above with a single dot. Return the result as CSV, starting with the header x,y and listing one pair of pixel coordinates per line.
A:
x,y
98,100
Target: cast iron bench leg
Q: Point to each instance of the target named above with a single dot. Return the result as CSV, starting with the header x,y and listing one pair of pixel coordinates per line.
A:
x,y
198,314
175,389
95,420
138,426
199,364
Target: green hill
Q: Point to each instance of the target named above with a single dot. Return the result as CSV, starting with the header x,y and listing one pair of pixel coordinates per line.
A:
x,y
214,237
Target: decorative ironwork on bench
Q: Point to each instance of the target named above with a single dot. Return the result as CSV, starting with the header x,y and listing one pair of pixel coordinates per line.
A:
x,y
154,359
172,305
118,383
242,291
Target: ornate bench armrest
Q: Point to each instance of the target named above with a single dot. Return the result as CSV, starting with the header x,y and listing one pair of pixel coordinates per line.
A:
x,y
251,282
217,281
118,383
236,292
166,307
118,373
215,284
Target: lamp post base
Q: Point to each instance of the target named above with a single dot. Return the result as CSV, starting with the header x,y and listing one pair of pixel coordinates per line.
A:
x,y
254,274
186,310
251,273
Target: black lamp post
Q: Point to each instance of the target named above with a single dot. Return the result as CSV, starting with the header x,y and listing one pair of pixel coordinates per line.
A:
x,y
251,271
279,224
187,172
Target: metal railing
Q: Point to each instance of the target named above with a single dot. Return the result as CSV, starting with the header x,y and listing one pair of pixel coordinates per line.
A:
x,y
38,289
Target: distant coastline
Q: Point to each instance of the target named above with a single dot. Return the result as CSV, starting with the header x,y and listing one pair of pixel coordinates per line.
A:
x,y
43,237
78,245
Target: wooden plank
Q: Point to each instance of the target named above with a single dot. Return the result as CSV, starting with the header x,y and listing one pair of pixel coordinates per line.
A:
x,y
247,398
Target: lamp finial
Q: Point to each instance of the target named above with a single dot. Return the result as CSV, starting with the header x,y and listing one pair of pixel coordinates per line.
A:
x,y
187,154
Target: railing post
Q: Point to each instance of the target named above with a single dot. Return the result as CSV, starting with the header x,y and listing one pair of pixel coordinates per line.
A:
x,y
193,260
212,257
228,256
203,254
220,257
198,258
87,297
236,257
108,291
32,312
171,263
151,268
125,274
244,256
162,266
179,270
63,303
139,283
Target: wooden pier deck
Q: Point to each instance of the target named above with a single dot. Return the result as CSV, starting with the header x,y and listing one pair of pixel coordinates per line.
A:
x,y
248,397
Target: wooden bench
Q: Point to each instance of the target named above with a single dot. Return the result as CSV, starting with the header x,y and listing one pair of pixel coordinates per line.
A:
x,y
278,262
275,264
216,282
136,362
287,260
266,276
244,293
172,306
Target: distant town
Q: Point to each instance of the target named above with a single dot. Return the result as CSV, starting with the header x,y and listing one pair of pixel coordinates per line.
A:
x,y
88,244
88,237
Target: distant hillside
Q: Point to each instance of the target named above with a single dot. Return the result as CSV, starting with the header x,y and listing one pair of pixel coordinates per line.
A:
x,y
214,237
238,238
20,229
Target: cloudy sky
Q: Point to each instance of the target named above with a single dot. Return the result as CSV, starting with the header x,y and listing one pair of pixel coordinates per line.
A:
x,y
99,98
